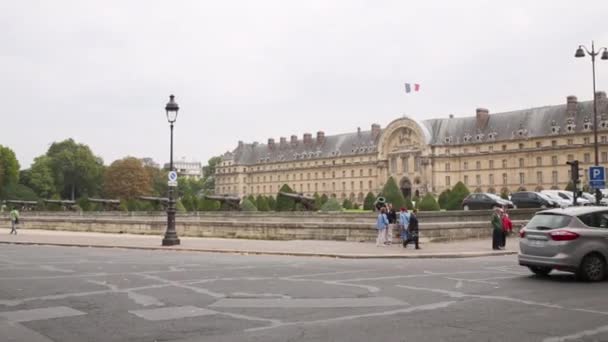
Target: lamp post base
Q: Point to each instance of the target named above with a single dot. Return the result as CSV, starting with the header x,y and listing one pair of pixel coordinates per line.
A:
x,y
170,241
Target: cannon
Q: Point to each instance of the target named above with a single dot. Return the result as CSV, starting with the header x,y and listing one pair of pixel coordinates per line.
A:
x,y
380,203
22,205
107,204
65,204
163,201
307,201
233,202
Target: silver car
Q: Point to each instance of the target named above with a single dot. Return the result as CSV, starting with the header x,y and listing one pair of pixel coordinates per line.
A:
x,y
573,239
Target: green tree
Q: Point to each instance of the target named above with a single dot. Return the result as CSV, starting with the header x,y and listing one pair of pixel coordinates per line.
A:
x,y
127,179
356,206
331,205
285,203
179,206
347,204
428,203
272,203
318,203
158,181
16,191
208,205
247,205
251,198
76,170
9,167
324,199
393,194
457,195
208,181
262,203
41,177
443,198
368,202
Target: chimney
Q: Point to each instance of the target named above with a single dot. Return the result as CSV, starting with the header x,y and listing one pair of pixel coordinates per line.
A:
x,y
320,137
483,117
602,102
307,138
271,143
571,104
241,144
294,139
283,142
451,116
375,131
359,131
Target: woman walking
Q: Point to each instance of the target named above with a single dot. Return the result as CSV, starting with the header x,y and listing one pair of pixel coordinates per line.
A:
x,y
381,226
497,232
404,222
412,230
507,228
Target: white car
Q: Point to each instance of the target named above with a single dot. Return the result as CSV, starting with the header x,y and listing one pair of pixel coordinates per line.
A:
x,y
591,198
563,203
568,196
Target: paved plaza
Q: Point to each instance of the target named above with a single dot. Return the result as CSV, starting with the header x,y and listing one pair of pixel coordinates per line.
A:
x,y
52,293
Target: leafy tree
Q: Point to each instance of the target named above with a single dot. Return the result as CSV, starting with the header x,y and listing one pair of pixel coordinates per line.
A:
x,y
347,204
285,203
127,178
247,205
457,195
443,198
158,181
16,191
41,177
76,170
428,203
209,173
9,167
324,199
272,203
190,202
262,203
318,203
368,202
393,194
251,198
179,206
331,205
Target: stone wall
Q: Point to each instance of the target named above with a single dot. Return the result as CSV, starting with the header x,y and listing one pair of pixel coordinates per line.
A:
x,y
435,226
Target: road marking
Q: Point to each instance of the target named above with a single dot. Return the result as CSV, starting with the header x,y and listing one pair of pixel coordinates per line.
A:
x,y
15,332
307,302
176,312
578,335
40,314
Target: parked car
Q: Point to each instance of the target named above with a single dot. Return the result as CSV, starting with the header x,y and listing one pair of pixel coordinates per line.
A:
x,y
529,199
574,240
568,196
478,201
563,203
591,198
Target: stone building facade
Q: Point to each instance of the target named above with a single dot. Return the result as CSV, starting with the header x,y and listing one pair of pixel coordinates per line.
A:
x,y
524,149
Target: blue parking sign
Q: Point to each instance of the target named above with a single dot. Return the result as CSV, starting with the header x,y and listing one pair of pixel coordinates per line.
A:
x,y
597,177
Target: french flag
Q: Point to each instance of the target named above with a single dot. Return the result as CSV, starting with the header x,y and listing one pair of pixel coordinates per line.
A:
x,y
408,87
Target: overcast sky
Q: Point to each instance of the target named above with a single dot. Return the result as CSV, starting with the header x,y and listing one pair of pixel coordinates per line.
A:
x,y
101,71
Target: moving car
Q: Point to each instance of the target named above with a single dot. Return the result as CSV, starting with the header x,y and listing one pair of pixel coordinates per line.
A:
x,y
574,240
529,199
478,201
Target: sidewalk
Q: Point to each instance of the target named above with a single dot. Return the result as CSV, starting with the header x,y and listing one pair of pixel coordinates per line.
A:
x,y
336,249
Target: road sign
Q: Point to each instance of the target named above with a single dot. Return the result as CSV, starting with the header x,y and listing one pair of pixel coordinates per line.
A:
x,y
172,176
172,183
597,177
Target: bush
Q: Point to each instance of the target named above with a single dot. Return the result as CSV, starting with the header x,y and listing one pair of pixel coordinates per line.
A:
x,y
324,199
318,203
285,203
368,202
356,206
208,205
347,204
272,203
18,192
332,204
393,194
179,207
457,195
247,205
443,198
262,203
504,193
428,203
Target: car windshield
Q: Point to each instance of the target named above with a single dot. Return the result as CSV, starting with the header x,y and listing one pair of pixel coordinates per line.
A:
x,y
548,221
543,196
494,197
553,196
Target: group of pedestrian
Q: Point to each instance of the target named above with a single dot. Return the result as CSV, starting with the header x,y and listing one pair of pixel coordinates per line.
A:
x,y
501,227
388,219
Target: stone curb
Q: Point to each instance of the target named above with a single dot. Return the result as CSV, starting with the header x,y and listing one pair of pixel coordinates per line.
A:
x,y
300,254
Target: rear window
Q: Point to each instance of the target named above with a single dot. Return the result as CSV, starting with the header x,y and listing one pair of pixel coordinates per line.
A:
x,y
548,221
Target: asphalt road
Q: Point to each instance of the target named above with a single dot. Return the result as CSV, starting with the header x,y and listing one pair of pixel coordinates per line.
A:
x,y
88,294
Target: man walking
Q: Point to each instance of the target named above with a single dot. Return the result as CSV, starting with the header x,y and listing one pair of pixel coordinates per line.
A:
x,y
14,216
413,230
392,219
497,232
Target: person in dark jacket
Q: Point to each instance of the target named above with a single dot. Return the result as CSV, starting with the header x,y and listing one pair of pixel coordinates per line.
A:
x,y
497,232
412,230
391,214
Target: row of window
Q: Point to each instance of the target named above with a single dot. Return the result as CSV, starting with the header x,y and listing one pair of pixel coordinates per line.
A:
x,y
293,165
294,176
405,164
262,189
539,144
521,162
505,179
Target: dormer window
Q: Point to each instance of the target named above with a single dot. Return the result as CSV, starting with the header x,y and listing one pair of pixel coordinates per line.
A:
x,y
448,140
467,138
479,137
492,136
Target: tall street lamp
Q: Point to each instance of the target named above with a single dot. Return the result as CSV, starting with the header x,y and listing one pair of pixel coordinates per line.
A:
x,y
171,238
580,52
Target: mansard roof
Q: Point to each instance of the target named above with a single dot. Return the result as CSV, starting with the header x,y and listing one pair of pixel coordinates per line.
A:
x,y
519,124
348,144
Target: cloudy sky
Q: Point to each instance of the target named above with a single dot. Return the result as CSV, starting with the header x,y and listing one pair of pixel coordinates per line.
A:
x,y
101,71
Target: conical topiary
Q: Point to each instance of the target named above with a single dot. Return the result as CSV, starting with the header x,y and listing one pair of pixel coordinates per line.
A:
x,y
458,193
285,203
368,203
393,194
247,205
428,203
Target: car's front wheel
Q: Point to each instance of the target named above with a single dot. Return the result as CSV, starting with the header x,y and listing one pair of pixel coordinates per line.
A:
x,y
540,271
593,268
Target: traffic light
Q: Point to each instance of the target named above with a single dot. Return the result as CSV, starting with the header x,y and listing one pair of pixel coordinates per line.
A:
x,y
574,171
